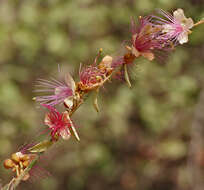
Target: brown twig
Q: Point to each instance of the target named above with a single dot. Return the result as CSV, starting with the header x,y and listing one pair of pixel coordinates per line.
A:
x,y
198,23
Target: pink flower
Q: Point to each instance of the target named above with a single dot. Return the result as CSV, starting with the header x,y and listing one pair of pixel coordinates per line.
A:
x,y
176,27
145,38
56,92
58,123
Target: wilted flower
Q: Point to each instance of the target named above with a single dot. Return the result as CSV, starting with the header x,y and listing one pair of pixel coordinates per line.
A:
x,y
90,77
176,27
128,58
58,91
144,43
145,38
60,124
94,76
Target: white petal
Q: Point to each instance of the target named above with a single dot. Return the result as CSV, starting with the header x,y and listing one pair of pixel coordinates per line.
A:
x,y
189,23
65,133
19,154
148,55
135,52
179,15
107,60
69,102
58,90
183,38
167,28
70,82
47,120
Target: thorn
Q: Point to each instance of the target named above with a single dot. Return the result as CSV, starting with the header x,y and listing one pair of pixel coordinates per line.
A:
x,y
95,103
75,132
127,76
128,48
80,67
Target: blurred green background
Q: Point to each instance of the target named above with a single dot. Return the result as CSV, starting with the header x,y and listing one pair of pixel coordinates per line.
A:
x,y
141,137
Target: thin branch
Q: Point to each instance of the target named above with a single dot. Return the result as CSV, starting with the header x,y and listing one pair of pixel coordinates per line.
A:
x,y
198,23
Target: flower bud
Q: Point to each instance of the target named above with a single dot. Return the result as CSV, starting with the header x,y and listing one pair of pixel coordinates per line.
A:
x,y
25,157
107,60
25,163
15,158
8,163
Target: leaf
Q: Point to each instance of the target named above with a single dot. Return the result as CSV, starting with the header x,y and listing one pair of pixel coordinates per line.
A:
x,y
41,147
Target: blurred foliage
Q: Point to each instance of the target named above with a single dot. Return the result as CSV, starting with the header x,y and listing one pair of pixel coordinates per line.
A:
x,y
140,138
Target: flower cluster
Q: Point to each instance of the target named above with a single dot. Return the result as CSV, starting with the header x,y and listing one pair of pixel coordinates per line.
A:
x,y
152,34
18,162
70,94
157,33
